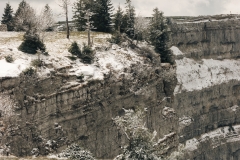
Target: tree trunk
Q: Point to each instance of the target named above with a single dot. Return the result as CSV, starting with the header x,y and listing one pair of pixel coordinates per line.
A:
x,y
67,22
119,29
89,40
89,30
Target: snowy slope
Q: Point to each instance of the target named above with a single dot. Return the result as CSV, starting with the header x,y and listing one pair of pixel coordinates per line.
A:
x,y
114,58
196,75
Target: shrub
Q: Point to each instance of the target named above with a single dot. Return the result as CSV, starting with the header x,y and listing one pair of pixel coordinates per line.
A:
x,y
74,49
81,77
75,152
141,142
73,58
29,71
31,43
87,50
37,63
148,53
116,38
9,59
87,54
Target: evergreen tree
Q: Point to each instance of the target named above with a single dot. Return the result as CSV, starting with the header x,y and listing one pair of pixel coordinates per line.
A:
x,y
31,43
7,17
102,17
130,18
25,17
45,22
118,19
78,14
159,35
47,18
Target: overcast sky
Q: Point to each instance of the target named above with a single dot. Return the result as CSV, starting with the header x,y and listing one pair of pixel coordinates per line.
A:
x,y
145,7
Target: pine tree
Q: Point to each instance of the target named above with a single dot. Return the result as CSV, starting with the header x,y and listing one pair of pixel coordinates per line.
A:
x,y
130,15
103,15
47,18
45,22
31,43
78,14
140,28
118,19
7,17
25,18
159,35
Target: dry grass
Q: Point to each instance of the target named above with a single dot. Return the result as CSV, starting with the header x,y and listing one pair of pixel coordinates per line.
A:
x,y
9,39
26,158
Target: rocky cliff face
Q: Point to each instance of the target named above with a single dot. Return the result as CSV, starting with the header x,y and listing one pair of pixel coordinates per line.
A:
x,y
216,39
207,94
194,105
53,112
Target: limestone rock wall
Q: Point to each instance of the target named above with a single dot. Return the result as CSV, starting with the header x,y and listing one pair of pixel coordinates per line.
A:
x,y
50,116
51,113
216,39
208,117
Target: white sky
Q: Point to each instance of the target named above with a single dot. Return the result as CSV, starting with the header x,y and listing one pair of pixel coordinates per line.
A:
x,y
145,7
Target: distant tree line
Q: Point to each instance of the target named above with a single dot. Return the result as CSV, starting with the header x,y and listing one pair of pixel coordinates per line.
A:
x,y
94,15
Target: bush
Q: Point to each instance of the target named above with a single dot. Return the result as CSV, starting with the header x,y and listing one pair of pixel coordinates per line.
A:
x,y
9,59
87,50
31,43
37,63
87,54
73,58
75,152
29,71
116,38
81,77
141,142
74,49
148,53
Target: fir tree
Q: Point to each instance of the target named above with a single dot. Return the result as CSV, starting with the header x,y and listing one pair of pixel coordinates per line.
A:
x,y
31,43
7,17
24,17
78,14
74,49
118,19
45,22
47,18
103,15
130,18
159,35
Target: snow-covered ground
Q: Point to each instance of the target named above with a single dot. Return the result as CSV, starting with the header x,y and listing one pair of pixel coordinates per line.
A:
x,y
196,75
114,58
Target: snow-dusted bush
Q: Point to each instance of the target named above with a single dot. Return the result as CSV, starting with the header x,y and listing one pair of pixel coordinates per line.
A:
x,y
75,152
74,49
87,54
37,63
116,38
141,141
148,53
29,71
31,43
9,58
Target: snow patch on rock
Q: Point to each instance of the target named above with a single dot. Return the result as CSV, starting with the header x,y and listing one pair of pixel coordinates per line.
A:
x,y
196,75
13,69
